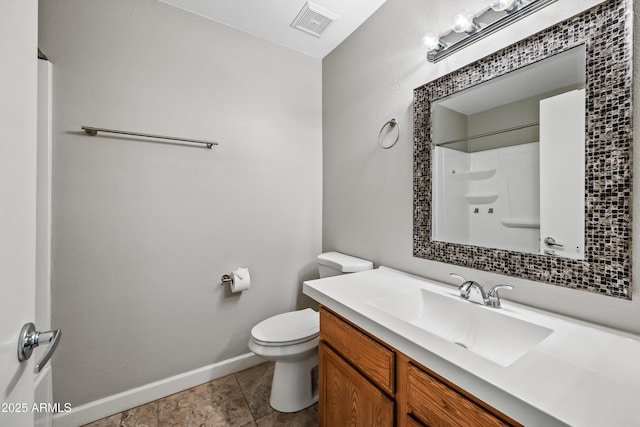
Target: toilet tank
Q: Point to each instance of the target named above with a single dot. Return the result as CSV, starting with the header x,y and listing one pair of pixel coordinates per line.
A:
x,y
334,263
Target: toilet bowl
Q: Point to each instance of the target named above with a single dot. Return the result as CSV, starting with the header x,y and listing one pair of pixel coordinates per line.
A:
x,y
291,341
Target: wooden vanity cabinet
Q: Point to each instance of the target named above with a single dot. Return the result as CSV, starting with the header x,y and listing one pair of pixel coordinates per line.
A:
x,y
356,376
365,382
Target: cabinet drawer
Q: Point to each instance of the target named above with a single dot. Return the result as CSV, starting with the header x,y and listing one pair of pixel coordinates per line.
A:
x,y
372,358
436,404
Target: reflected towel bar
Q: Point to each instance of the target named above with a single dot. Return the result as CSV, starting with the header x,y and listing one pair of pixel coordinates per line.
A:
x,y
94,131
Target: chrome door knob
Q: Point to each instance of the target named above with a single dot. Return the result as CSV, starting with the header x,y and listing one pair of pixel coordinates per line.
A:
x,y
30,338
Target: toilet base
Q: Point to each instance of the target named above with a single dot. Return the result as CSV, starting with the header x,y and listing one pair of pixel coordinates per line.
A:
x,y
295,384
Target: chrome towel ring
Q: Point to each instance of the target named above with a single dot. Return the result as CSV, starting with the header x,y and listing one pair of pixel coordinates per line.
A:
x,y
391,123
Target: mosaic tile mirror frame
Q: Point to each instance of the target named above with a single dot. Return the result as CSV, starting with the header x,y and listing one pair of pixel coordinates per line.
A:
x,y
606,32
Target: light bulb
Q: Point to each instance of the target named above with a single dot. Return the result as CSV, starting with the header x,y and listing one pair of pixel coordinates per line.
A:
x,y
463,22
504,5
431,41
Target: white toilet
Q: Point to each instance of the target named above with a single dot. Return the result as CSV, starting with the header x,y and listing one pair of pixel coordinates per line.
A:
x,y
291,340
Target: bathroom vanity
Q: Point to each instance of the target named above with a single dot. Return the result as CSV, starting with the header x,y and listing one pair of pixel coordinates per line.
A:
x,y
397,349
367,382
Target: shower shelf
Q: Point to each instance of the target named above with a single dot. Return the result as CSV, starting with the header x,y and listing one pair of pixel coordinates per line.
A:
x,y
478,174
481,199
520,223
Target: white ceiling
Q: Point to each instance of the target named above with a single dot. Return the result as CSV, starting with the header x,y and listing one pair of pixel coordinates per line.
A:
x,y
271,19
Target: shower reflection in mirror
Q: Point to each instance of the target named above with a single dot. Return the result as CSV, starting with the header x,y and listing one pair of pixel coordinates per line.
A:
x,y
514,146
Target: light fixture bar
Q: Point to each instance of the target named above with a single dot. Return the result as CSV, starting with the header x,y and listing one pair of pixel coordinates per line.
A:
x,y
489,22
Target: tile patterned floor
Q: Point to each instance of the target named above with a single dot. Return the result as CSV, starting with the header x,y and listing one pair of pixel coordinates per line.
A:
x,y
238,400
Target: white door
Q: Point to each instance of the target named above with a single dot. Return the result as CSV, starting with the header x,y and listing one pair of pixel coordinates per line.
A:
x,y
43,417
18,101
562,139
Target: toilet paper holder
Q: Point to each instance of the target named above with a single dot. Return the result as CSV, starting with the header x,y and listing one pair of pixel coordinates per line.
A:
x,y
238,280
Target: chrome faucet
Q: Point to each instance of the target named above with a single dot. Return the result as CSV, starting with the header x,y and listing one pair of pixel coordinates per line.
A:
x,y
474,292
470,290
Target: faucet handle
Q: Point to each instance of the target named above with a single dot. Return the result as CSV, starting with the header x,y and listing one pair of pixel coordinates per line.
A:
x,y
493,297
459,277
494,291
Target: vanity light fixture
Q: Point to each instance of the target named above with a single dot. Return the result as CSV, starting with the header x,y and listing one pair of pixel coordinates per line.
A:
x,y
467,28
463,22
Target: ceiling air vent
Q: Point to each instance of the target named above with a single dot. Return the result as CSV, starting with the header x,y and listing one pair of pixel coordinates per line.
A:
x,y
312,19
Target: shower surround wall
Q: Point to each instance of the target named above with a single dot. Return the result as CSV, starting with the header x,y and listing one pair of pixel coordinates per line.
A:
x,y
144,231
479,196
368,192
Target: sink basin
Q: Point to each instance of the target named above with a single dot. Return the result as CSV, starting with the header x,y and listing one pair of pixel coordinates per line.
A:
x,y
484,331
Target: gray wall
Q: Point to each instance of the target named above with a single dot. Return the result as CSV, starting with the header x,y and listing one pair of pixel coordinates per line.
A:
x,y
367,192
143,232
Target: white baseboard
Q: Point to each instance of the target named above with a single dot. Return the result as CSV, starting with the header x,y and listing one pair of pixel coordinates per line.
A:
x,y
104,407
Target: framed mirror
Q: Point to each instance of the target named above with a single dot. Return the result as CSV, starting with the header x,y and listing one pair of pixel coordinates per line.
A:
x,y
508,160
497,187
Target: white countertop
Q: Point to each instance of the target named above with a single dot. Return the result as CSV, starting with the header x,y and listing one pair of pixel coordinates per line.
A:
x,y
580,375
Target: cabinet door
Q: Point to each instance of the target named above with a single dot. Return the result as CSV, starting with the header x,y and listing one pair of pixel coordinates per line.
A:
x,y
347,398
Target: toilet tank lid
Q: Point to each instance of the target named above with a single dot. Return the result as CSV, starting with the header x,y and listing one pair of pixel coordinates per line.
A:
x,y
344,263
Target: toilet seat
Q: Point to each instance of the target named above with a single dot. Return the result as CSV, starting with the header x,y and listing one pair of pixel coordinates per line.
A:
x,y
294,327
